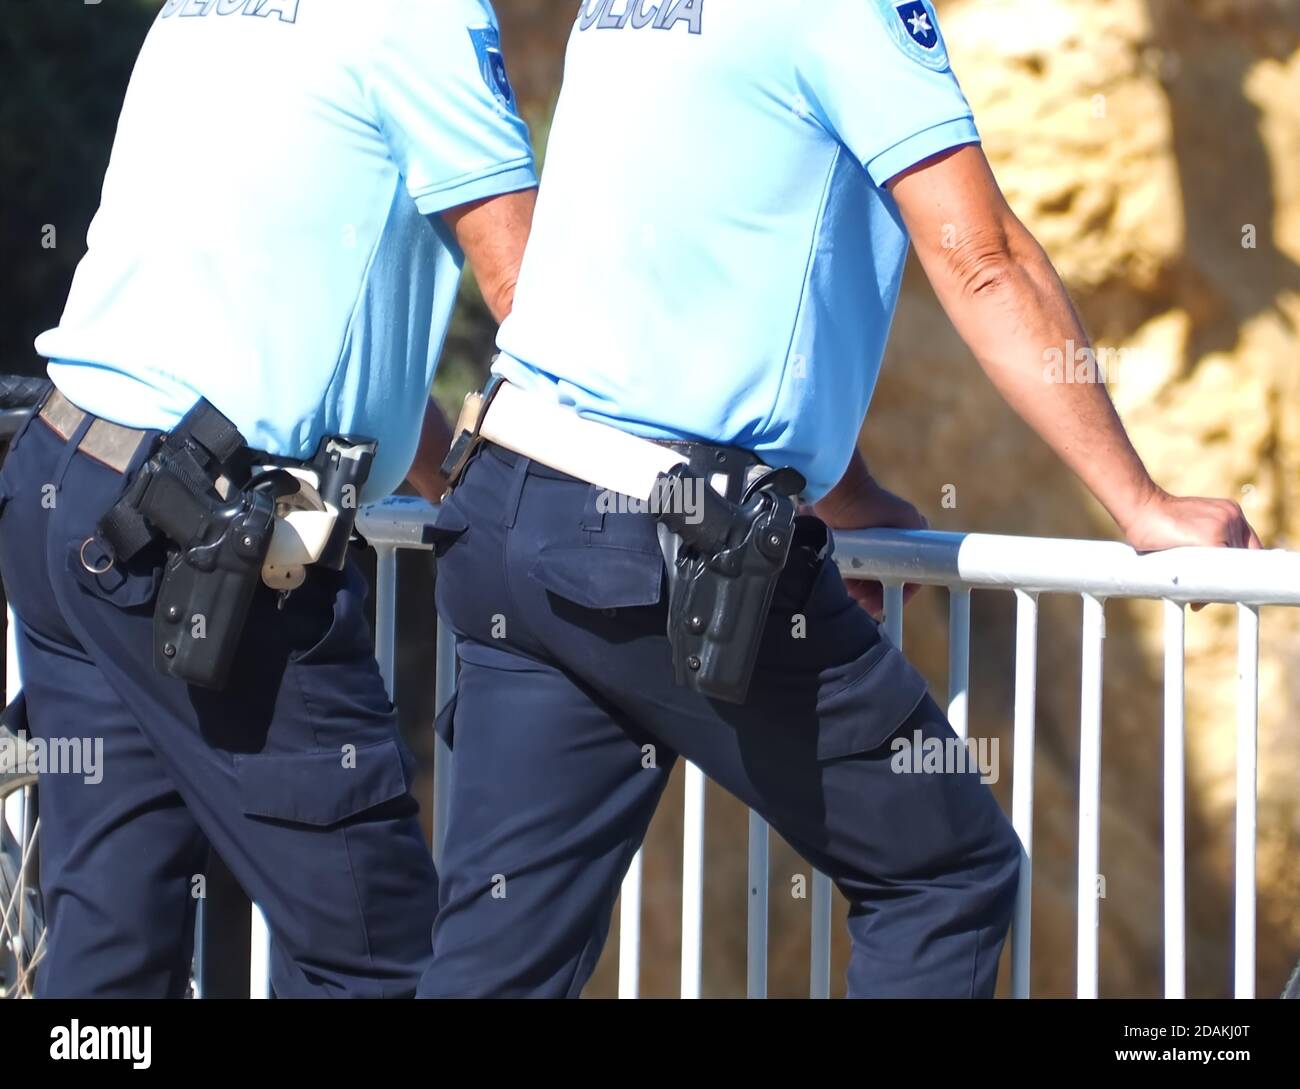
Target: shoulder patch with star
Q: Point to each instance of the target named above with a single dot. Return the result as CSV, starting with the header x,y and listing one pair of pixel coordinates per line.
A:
x,y
914,26
487,43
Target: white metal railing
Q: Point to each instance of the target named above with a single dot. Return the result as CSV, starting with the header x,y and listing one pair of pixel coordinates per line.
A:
x,y
1028,567
15,808
1097,571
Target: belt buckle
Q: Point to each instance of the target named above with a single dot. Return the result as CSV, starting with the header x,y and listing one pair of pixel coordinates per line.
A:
x,y
469,426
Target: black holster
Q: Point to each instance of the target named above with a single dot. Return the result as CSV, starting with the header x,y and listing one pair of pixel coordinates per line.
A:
x,y
724,560
215,544
207,589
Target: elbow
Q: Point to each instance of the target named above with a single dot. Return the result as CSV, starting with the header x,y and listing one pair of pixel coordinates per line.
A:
x,y
500,294
992,277
983,263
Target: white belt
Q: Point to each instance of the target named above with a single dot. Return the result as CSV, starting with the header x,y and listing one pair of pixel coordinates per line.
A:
x,y
560,439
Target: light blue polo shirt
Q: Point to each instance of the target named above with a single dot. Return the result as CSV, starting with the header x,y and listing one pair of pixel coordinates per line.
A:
x,y
715,255
262,239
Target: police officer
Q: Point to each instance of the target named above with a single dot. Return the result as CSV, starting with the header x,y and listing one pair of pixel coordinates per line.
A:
x,y
730,192
292,192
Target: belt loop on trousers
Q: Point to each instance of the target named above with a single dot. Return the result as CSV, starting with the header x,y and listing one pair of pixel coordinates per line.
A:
x,y
593,521
522,465
70,450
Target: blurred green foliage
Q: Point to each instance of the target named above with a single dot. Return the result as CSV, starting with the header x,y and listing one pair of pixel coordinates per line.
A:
x,y
64,68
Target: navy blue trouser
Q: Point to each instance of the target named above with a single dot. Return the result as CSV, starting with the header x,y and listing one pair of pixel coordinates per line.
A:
x,y
567,723
295,774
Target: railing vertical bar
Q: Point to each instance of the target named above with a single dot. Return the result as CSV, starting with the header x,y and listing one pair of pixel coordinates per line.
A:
x,y
386,614
819,985
1175,803
8,962
444,691
259,963
1094,632
692,882
13,811
1022,784
12,814
629,931
894,613
199,965
759,874
1247,781
13,677
959,659
28,849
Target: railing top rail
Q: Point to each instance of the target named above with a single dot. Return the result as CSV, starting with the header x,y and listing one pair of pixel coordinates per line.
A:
x,y
1050,565
399,522
990,561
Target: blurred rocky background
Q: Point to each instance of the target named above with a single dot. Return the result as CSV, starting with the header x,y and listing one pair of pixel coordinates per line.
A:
x,y
1154,148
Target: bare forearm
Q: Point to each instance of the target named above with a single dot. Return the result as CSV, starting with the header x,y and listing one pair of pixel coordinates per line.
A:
x,y
1011,308
838,506
435,440
1009,305
493,234
1018,320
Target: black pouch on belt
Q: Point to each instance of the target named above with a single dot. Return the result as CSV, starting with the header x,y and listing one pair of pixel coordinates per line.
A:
x,y
724,560
216,544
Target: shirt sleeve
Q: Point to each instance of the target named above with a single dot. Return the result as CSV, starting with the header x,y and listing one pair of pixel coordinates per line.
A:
x,y
878,78
439,91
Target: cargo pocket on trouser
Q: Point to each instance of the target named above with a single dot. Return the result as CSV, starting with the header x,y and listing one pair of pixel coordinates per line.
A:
x,y
867,702
322,789
612,562
601,577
